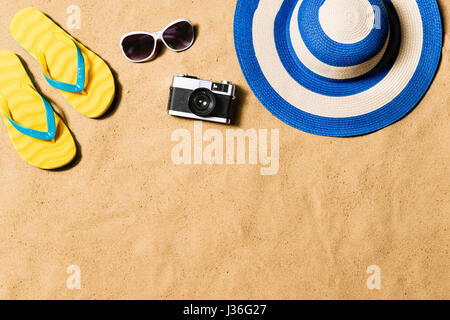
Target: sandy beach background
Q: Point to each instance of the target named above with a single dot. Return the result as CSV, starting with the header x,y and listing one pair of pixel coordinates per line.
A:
x,y
141,227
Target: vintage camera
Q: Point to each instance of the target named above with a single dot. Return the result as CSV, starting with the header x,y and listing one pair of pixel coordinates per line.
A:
x,y
193,98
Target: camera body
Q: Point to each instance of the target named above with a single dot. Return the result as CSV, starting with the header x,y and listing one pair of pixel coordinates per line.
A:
x,y
198,99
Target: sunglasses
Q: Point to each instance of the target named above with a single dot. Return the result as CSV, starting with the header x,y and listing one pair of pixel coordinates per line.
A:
x,y
141,46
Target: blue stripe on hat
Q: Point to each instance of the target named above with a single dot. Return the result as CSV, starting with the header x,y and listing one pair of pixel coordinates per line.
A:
x,y
334,53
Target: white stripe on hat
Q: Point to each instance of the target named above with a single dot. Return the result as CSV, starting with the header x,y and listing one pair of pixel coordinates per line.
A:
x,y
358,22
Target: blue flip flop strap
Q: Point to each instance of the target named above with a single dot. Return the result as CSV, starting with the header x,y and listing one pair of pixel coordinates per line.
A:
x,y
51,121
81,75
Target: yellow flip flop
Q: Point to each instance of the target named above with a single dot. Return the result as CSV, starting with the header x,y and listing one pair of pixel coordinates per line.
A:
x,y
37,133
83,78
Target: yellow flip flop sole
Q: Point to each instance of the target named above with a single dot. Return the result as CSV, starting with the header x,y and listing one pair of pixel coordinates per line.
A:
x,y
20,102
54,49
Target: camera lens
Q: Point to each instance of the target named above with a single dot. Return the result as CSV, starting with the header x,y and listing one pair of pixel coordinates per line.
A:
x,y
202,102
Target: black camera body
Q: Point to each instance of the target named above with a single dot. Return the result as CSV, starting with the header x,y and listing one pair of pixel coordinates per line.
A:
x,y
198,99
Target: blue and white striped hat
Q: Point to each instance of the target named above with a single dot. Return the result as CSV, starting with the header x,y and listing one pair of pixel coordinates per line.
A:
x,y
338,67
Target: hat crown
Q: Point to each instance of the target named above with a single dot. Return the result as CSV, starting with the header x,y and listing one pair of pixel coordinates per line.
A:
x,y
347,21
344,33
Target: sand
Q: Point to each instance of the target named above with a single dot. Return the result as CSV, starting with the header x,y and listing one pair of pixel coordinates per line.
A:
x,y
139,226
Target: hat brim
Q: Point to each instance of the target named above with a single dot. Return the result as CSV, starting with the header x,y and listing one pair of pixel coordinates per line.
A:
x,y
348,108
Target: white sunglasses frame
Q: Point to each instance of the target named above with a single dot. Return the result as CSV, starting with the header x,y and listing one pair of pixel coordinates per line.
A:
x,y
157,36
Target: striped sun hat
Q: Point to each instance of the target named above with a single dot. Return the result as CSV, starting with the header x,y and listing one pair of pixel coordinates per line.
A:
x,y
338,67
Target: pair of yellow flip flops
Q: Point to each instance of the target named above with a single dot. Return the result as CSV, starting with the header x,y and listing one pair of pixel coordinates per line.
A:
x,y
85,80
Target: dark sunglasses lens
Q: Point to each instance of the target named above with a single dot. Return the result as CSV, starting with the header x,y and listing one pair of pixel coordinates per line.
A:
x,y
179,36
138,46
